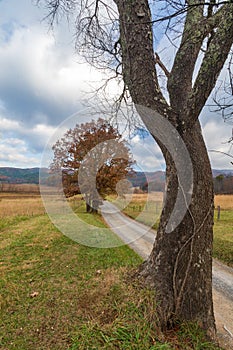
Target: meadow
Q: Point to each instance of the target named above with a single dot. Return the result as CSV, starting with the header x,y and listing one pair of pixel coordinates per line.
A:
x,y
223,229
58,294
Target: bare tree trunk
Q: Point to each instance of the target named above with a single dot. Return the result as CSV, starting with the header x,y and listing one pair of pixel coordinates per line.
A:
x,y
88,203
180,264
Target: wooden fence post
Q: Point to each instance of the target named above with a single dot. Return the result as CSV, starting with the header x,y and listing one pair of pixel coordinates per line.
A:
x,y
219,210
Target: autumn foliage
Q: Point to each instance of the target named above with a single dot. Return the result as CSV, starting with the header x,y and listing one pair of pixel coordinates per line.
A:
x,y
93,158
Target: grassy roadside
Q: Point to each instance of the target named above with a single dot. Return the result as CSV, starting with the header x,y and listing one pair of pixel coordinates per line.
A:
x,y
223,237
56,294
223,234
223,228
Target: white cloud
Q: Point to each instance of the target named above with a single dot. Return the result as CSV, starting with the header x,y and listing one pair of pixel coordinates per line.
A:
x,y
15,142
14,152
8,124
15,134
216,134
135,140
35,75
147,154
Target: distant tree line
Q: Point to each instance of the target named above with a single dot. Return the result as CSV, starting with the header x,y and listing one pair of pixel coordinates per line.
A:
x,y
223,184
31,188
19,176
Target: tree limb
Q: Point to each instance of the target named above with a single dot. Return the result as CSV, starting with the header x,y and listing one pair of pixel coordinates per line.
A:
x,y
212,64
185,60
138,55
161,65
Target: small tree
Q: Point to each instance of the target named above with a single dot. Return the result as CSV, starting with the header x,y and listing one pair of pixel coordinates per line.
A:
x,y
93,158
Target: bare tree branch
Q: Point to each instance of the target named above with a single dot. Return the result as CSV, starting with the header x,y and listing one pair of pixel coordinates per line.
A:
x,y
213,63
161,65
187,54
223,97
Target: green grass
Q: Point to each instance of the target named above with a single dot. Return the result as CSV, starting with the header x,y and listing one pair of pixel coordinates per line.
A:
x,y
150,215
90,230
36,258
57,294
223,237
11,220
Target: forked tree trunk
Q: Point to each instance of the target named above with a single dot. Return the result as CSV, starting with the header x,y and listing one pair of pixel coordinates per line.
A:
x,y
180,264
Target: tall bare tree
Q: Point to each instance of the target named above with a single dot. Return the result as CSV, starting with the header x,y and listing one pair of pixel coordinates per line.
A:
x,y
119,35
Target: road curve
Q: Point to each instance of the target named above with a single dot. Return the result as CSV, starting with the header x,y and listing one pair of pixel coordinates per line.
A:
x,y
140,238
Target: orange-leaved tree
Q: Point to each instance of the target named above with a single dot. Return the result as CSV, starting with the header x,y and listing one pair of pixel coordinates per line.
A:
x,y
93,158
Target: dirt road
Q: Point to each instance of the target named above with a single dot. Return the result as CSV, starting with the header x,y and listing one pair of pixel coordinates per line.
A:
x,y
141,239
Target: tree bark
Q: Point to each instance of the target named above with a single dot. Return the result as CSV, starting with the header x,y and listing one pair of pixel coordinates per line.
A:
x,y
88,203
180,265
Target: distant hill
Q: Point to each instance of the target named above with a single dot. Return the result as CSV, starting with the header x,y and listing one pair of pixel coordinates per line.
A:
x,y
225,172
155,179
139,179
20,176
223,180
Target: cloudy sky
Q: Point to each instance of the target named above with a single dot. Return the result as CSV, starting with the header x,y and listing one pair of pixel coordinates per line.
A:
x,y
43,82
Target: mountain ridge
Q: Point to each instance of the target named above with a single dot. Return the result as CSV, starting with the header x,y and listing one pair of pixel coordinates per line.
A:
x,y
31,175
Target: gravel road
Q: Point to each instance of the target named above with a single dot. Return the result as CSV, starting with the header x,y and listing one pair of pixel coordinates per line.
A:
x,y
140,238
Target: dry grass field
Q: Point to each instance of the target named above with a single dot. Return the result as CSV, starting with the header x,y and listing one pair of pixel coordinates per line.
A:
x,y
20,200
224,200
16,206
144,197
19,188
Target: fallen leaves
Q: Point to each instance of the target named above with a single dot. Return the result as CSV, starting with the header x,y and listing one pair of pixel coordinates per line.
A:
x,y
34,294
